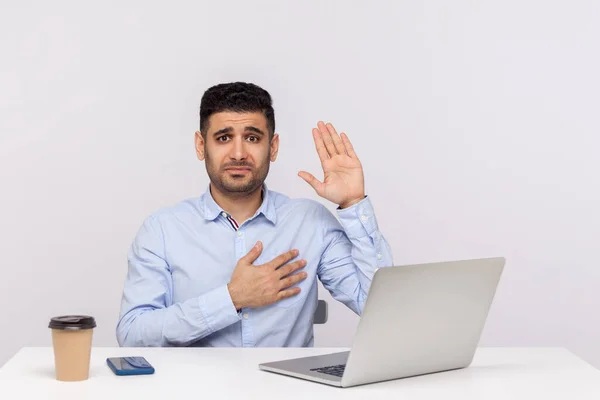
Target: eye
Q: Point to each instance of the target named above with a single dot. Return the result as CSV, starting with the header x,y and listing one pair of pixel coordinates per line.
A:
x,y
253,138
223,138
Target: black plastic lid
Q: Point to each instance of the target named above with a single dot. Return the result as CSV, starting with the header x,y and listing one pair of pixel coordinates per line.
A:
x,y
72,322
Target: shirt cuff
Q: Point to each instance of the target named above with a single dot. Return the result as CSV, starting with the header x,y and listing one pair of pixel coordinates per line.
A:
x,y
358,220
218,309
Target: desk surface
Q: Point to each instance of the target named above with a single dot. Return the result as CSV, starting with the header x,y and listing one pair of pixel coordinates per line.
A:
x,y
209,373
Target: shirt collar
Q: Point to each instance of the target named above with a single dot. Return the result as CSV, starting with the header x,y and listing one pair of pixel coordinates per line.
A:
x,y
212,209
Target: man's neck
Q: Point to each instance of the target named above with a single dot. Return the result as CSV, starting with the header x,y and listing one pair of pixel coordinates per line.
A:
x,y
240,207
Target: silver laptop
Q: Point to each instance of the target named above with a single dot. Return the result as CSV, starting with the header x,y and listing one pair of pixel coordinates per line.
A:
x,y
418,319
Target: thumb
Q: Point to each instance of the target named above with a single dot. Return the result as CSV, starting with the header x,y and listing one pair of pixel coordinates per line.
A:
x,y
254,252
312,181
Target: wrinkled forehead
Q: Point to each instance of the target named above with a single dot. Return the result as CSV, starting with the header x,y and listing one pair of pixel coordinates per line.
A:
x,y
237,122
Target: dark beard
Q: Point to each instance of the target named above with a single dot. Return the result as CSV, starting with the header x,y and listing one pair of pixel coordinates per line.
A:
x,y
233,189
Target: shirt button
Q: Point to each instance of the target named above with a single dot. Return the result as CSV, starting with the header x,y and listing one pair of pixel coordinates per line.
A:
x,y
246,316
379,256
240,234
224,214
363,217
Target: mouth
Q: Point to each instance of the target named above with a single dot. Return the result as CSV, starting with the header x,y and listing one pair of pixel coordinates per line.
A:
x,y
238,170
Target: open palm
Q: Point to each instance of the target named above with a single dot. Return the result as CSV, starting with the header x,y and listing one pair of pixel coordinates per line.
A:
x,y
343,181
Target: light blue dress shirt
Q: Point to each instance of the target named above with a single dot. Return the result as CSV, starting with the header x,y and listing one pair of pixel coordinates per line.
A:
x,y
182,258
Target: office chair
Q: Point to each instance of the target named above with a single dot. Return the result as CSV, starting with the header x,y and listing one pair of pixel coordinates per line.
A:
x,y
320,316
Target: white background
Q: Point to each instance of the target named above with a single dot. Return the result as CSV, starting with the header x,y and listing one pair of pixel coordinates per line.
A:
x,y
476,122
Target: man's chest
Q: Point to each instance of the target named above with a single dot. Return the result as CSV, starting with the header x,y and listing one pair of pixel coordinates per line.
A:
x,y
201,262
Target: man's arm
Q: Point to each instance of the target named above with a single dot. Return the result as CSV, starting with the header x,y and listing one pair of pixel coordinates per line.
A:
x,y
355,248
148,317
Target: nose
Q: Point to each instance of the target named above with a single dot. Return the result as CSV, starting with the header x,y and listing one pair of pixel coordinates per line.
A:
x,y
238,150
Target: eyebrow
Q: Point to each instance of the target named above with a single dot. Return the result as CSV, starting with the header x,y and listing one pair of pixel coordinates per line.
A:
x,y
247,128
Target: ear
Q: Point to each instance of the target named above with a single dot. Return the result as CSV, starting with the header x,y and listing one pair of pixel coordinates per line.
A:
x,y
199,141
274,148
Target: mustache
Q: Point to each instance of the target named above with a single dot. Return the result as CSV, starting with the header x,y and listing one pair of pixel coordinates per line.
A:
x,y
238,165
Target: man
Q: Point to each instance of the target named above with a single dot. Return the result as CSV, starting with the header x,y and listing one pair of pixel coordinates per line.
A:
x,y
239,265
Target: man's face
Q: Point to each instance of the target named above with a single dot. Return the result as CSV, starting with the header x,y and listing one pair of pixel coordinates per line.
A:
x,y
237,151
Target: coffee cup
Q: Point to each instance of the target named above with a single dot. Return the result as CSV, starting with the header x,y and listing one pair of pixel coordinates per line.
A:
x,y
72,345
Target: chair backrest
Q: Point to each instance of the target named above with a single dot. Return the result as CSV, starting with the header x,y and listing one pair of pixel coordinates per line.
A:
x,y
320,316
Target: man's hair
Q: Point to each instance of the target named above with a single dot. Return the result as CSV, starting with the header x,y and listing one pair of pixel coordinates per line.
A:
x,y
236,97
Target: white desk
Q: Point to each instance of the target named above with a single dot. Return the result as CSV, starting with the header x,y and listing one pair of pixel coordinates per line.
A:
x,y
223,373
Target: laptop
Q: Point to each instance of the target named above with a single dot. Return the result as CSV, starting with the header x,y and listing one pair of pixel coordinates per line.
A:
x,y
418,319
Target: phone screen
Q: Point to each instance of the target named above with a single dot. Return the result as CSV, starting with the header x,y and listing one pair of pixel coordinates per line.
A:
x,y
130,363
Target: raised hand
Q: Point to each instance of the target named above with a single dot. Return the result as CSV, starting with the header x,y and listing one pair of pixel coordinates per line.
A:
x,y
343,182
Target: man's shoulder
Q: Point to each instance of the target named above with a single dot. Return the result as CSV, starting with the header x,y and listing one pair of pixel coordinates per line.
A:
x,y
284,203
181,209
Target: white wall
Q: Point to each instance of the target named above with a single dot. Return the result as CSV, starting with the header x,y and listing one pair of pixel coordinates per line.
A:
x,y
476,123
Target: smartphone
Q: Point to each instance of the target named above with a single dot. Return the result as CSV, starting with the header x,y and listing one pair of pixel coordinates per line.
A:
x,y
130,366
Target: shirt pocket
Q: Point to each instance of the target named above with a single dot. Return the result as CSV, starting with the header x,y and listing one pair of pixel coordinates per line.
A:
x,y
271,254
304,285
295,299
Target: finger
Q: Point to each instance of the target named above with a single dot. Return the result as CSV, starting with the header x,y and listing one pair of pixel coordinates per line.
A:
x,y
254,252
320,145
292,280
312,181
284,294
337,142
282,259
327,139
291,267
348,146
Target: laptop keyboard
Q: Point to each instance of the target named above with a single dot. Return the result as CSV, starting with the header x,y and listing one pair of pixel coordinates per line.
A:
x,y
336,370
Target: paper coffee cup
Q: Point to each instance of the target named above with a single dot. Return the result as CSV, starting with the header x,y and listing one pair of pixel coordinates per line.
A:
x,y
72,344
